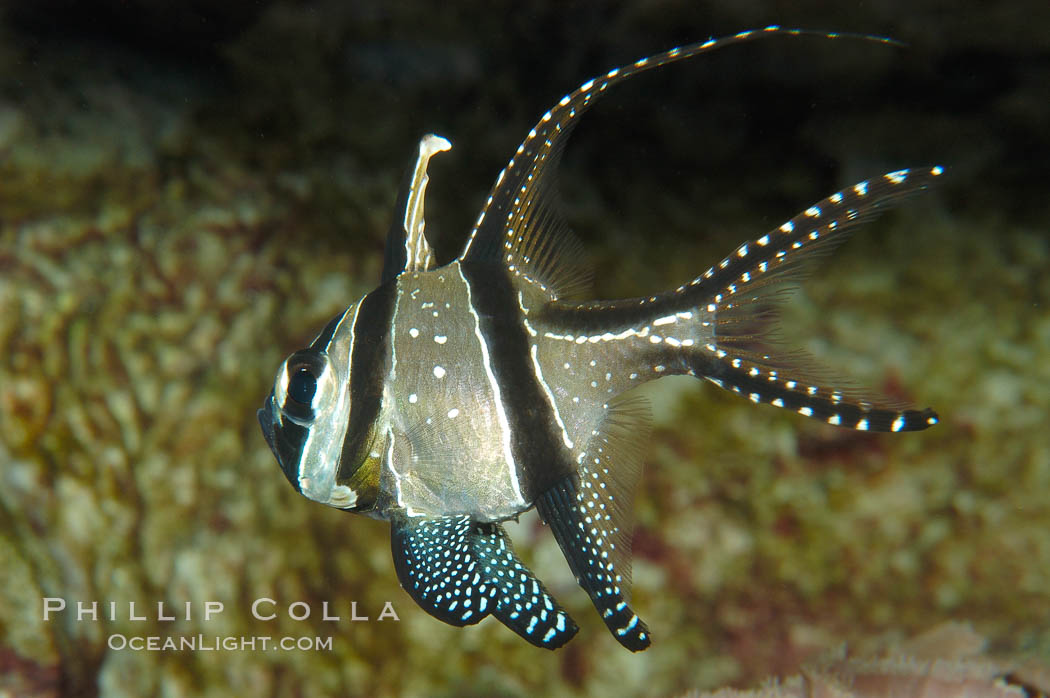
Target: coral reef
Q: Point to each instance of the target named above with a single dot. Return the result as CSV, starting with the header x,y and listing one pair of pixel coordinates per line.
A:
x,y
170,230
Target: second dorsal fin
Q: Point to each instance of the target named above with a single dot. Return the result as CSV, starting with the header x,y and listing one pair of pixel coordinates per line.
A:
x,y
520,225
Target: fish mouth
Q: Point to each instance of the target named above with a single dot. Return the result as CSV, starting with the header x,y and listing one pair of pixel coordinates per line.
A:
x,y
285,440
265,415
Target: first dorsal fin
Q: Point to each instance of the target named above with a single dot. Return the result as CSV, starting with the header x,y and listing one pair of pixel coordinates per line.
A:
x,y
520,225
407,248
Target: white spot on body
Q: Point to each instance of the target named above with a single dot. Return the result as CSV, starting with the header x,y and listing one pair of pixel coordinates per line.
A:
x,y
439,371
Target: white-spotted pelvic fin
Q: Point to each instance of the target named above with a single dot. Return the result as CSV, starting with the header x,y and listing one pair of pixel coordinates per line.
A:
x,y
460,571
407,248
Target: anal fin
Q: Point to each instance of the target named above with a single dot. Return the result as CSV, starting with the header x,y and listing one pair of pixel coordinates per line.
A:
x,y
589,513
584,546
459,571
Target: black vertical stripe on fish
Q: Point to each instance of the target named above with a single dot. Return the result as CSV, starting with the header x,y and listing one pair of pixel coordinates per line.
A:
x,y
536,444
369,355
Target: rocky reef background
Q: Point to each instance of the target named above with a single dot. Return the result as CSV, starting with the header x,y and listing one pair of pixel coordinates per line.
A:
x,y
188,191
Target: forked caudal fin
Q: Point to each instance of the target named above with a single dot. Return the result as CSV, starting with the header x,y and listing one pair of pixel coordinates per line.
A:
x,y
741,294
720,325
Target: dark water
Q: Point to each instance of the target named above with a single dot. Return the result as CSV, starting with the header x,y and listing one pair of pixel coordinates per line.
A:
x,y
187,195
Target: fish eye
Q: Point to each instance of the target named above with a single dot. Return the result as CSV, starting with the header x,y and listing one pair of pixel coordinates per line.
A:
x,y
302,386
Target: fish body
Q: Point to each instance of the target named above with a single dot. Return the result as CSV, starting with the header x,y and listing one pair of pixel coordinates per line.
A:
x,y
453,398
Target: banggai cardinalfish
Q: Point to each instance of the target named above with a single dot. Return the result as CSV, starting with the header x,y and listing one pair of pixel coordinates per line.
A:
x,y
453,398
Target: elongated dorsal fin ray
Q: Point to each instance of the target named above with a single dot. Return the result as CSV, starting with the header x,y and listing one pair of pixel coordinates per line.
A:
x,y
590,514
407,248
520,225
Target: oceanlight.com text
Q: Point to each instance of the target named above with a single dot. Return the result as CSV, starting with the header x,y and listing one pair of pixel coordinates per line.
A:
x,y
213,643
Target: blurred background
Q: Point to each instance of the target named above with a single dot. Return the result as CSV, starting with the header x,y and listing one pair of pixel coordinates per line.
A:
x,y
189,191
